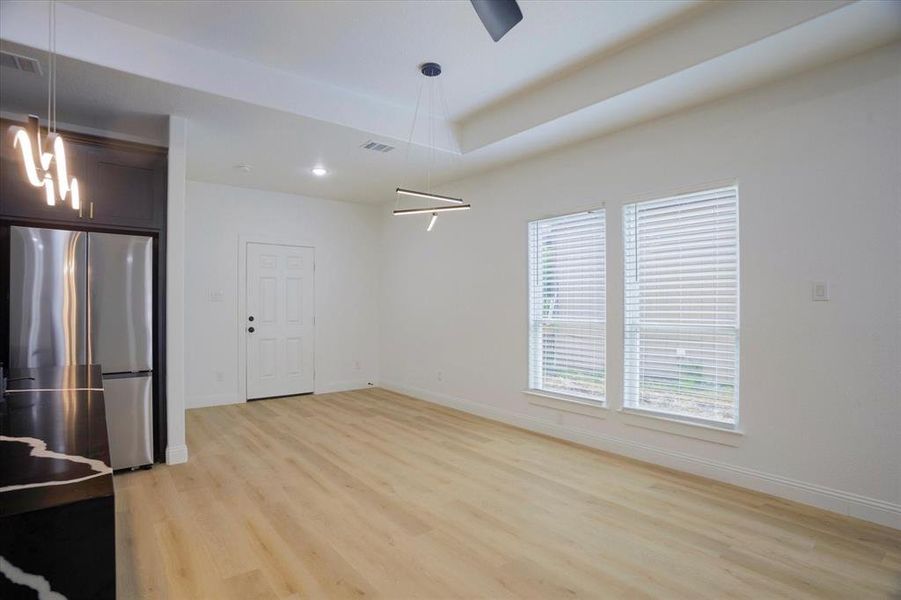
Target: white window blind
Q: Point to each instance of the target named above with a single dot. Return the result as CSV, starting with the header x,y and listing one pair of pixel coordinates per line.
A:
x,y
567,305
681,306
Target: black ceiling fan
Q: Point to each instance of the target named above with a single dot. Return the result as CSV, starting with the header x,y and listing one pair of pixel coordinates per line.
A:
x,y
498,16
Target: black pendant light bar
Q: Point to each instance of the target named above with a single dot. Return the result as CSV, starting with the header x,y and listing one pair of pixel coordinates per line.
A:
x,y
433,209
404,192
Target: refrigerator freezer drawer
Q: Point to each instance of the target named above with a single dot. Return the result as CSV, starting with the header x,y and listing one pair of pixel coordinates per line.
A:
x,y
129,419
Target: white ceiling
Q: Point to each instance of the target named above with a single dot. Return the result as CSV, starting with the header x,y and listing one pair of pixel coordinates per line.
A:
x,y
284,86
374,47
224,133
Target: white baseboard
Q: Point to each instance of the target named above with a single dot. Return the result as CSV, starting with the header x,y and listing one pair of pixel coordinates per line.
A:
x,y
176,455
232,398
846,503
211,400
342,386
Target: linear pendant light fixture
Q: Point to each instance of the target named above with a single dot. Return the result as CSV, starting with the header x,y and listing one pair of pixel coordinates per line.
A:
x,y
428,196
430,209
44,160
431,71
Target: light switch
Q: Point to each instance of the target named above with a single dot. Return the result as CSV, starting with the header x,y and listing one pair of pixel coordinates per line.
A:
x,y
216,295
819,291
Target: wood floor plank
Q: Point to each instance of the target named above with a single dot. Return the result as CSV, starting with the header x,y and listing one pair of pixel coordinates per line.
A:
x,y
375,494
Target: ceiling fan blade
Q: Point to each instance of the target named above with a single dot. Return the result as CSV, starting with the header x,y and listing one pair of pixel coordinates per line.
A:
x,y
498,16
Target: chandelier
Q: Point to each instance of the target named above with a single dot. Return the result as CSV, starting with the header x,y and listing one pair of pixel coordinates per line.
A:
x,y
431,71
44,156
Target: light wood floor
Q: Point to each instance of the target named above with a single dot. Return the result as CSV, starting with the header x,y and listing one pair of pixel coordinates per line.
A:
x,y
371,493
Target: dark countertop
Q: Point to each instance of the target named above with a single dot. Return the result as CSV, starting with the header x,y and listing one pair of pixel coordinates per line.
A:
x,y
63,409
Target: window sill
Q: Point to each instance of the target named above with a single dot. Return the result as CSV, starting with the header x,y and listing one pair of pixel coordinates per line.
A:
x,y
676,426
572,404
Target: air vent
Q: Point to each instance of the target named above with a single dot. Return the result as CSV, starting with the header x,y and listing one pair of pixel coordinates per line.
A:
x,y
20,63
377,146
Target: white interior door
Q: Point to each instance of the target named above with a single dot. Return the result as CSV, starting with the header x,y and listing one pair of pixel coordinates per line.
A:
x,y
279,320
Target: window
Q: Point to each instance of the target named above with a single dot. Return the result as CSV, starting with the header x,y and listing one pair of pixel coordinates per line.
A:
x,y
681,306
567,307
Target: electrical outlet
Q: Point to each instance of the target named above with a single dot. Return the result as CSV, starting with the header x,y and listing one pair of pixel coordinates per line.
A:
x,y
819,291
440,376
356,365
220,376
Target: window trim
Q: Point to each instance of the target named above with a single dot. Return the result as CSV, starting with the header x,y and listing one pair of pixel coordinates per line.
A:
x,y
675,425
592,403
672,423
567,403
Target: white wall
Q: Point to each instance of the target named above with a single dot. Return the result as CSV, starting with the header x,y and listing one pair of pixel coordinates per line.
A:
x,y
818,164
176,449
346,238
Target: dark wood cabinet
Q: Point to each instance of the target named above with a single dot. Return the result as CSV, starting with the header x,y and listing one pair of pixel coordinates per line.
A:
x,y
122,184
123,190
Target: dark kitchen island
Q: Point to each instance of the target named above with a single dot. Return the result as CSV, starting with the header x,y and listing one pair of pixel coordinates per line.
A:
x,y
57,508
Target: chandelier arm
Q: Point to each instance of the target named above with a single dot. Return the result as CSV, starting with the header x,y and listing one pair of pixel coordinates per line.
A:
x,y
431,209
428,195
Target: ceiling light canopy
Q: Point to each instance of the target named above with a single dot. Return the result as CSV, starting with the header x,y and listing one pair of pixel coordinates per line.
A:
x,y
319,171
430,71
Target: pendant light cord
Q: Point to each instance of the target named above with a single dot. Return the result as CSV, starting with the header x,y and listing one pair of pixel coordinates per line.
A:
x,y
451,143
51,66
410,137
428,166
436,96
53,12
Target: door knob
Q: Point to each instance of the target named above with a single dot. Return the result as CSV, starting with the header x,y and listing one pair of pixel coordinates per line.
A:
x,y
250,318
250,329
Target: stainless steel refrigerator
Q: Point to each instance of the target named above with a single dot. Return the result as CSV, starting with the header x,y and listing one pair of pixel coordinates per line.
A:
x,y
87,298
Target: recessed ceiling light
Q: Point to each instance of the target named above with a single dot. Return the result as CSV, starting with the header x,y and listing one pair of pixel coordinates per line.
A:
x,y
243,168
319,171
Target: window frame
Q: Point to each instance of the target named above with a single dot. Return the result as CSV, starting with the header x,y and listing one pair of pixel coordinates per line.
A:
x,y
593,406
674,419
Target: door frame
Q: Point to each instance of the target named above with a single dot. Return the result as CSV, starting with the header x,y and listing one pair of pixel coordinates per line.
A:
x,y
243,241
